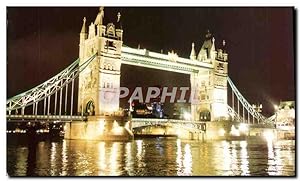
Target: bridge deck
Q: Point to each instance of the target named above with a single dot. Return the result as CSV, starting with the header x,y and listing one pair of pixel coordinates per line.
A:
x,y
17,118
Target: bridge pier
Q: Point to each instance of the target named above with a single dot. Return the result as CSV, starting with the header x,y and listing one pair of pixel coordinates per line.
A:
x,y
115,128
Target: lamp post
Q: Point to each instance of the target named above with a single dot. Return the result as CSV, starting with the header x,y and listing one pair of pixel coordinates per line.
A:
x,y
276,111
257,108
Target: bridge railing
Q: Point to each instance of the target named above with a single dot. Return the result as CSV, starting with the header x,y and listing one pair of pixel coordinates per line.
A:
x,y
245,104
194,126
42,92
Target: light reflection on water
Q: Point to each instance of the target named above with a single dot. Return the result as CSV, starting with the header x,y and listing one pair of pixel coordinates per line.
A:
x,y
152,157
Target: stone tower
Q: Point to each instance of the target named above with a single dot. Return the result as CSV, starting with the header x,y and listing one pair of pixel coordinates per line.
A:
x,y
219,104
209,86
99,83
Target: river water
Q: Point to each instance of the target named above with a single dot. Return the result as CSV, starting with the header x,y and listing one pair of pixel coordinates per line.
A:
x,y
150,157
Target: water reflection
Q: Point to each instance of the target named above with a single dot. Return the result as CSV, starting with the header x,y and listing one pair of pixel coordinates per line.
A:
x,y
140,154
101,161
151,157
21,161
244,159
226,157
178,157
64,158
128,159
187,160
114,159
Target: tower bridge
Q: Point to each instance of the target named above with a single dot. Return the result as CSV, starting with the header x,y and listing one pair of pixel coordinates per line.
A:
x,y
98,70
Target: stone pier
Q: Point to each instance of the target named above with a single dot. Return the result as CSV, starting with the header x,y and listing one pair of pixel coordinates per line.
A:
x,y
116,128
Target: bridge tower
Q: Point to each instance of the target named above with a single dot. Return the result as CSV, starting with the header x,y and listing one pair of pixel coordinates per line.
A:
x,y
210,86
99,84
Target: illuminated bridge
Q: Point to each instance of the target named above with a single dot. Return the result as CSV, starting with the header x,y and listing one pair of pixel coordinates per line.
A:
x,y
97,74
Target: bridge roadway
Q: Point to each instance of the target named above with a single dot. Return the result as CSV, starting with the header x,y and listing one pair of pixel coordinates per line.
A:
x,y
50,118
136,122
171,62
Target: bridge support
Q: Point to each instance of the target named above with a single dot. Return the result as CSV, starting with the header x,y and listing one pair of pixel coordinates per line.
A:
x,y
117,128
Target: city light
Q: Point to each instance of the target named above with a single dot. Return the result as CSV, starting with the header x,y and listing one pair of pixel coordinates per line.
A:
x,y
234,131
204,135
268,135
187,116
222,132
243,127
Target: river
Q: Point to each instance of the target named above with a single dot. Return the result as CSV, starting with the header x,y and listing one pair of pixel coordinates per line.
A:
x,y
150,157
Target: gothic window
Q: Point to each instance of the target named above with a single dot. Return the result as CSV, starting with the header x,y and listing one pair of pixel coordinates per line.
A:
x,y
107,85
202,97
203,83
111,30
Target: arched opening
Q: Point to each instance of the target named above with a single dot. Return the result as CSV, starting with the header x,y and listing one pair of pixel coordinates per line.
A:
x,y
90,108
204,115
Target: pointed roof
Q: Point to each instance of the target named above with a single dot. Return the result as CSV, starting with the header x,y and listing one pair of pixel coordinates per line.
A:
x,y
119,24
224,46
83,29
207,45
100,16
193,53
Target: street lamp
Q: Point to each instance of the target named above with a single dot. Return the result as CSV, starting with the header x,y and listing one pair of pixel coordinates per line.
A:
x,y
187,116
276,111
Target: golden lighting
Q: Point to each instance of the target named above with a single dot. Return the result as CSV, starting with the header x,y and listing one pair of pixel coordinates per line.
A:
x,y
101,126
127,125
178,157
226,156
178,132
234,131
102,159
114,158
53,155
244,158
187,160
221,132
269,135
64,158
243,127
116,129
140,154
128,158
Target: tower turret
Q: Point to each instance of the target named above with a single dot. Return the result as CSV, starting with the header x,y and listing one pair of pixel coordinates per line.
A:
x,y
92,32
99,83
207,50
193,53
119,31
99,23
83,37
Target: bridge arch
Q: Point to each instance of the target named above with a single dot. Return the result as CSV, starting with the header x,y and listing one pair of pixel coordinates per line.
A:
x,y
90,108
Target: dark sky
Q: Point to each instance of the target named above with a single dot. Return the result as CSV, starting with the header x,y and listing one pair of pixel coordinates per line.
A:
x,y
43,41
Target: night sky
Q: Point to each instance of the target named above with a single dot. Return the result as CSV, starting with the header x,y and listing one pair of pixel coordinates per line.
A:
x,y
260,41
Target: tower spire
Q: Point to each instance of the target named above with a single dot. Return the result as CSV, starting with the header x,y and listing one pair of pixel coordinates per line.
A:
x,y
83,29
119,17
100,16
193,53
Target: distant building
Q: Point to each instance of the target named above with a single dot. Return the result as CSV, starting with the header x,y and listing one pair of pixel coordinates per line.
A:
x,y
180,109
285,115
150,110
